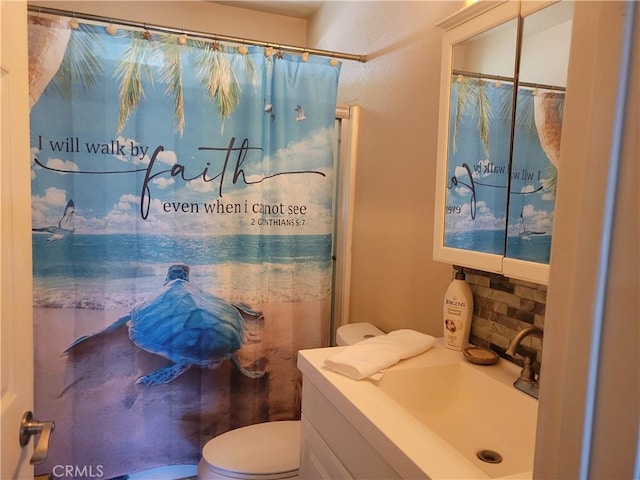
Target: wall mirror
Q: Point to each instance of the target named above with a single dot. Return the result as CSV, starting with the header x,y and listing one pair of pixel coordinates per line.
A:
x,y
502,95
542,80
480,115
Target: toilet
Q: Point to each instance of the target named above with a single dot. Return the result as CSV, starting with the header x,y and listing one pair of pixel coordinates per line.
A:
x,y
269,450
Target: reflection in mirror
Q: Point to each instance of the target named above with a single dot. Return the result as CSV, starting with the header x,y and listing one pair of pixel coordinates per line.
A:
x,y
536,151
481,99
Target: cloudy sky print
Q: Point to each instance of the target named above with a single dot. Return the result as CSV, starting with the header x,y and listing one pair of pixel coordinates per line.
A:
x,y
80,150
248,151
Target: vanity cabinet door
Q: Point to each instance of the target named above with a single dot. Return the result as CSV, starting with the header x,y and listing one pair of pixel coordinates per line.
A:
x,y
317,461
332,448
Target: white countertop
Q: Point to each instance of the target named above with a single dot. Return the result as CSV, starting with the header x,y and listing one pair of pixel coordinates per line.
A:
x,y
409,446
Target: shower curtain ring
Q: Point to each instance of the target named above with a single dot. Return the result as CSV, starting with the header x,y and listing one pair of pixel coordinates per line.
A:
x,y
73,23
146,34
242,49
111,28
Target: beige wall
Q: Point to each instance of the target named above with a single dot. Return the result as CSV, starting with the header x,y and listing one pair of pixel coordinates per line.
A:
x,y
395,284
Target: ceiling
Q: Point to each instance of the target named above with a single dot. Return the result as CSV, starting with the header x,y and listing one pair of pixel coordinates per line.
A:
x,y
297,8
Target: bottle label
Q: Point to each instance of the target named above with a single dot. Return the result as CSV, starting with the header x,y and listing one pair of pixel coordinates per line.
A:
x,y
454,329
454,304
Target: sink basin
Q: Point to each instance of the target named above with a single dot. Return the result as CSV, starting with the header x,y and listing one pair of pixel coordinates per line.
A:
x,y
492,424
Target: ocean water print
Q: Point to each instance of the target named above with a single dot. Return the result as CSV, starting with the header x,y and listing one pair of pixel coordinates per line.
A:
x,y
121,270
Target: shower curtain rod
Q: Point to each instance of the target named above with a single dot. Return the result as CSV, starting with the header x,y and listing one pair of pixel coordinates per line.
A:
x,y
190,33
488,76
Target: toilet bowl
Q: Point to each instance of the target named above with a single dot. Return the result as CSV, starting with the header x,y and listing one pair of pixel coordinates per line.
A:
x,y
269,450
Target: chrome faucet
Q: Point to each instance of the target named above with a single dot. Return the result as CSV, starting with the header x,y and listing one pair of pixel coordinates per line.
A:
x,y
527,381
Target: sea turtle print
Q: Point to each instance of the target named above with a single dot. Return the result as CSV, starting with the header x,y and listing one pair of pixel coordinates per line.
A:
x,y
185,324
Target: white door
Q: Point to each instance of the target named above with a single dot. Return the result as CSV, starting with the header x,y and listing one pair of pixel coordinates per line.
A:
x,y
16,333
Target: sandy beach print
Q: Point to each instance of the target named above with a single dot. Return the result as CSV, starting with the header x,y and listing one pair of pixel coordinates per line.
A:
x,y
103,418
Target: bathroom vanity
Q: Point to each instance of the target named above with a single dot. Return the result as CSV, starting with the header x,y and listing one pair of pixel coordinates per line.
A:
x,y
432,416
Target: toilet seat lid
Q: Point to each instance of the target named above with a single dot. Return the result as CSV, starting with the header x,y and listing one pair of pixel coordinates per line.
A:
x,y
261,450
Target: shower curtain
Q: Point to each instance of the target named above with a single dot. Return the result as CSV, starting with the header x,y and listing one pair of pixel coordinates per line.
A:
x,y
182,229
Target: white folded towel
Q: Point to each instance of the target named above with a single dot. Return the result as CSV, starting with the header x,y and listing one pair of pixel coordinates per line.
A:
x,y
368,357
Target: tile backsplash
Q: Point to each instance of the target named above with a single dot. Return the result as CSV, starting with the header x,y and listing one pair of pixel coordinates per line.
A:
x,y
502,306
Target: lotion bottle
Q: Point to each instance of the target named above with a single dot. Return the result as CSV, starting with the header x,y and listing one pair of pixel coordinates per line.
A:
x,y
458,312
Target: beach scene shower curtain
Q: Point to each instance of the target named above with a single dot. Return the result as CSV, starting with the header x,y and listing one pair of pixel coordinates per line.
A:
x,y
182,232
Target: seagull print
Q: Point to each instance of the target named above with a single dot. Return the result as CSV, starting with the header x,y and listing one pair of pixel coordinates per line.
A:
x,y
65,225
268,108
300,112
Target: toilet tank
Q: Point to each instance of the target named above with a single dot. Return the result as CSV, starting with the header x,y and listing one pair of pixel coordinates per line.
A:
x,y
356,332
